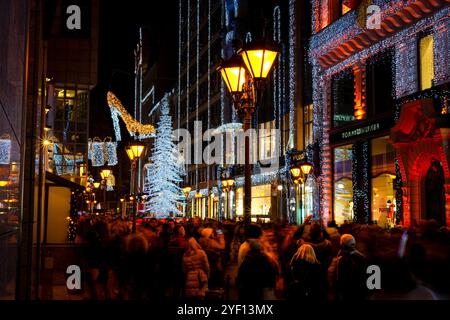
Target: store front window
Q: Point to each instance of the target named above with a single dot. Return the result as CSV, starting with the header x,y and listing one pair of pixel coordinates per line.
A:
x,y
343,184
383,175
261,202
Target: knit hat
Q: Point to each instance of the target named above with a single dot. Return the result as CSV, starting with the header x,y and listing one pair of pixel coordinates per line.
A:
x,y
348,242
207,232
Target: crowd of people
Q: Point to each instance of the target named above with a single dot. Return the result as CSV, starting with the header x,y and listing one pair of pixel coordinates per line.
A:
x,y
208,259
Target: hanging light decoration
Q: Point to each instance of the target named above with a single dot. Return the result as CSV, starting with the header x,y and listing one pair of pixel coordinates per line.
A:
x,y
97,153
102,152
134,127
111,152
105,174
5,149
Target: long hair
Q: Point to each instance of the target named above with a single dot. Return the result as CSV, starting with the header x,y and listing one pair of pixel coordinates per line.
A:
x,y
305,252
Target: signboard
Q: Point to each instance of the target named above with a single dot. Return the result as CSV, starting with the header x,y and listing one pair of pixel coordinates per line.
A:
x,y
362,131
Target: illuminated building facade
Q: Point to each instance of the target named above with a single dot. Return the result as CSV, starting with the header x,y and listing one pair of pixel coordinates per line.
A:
x,y
380,87
208,32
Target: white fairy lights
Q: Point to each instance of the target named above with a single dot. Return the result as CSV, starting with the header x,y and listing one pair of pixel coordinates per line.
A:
x,y
5,149
292,69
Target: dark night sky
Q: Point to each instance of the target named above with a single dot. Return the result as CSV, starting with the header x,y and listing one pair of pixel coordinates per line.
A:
x,y
119,25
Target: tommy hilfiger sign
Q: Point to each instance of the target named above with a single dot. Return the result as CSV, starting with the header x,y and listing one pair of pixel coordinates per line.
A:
x,y
361,131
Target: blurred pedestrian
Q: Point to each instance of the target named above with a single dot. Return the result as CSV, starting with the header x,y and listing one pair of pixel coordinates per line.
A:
x,y
196,270
307,277
347,273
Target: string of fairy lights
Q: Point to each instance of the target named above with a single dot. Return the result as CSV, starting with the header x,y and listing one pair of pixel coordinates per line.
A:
x,y
197,89
292,69
209,84
398,184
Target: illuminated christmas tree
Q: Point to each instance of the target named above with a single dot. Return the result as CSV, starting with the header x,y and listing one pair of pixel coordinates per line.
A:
x,y
163,174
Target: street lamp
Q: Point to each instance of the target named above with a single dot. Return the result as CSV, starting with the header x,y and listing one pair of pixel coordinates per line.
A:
x,y
227,184
245,75
105,173
306,167
299,173
134,151
186,190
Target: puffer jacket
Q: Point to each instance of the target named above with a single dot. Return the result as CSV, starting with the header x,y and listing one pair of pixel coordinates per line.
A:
x,y
196,269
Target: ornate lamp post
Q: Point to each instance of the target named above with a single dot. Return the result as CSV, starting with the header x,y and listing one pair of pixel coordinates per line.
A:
x,y
186,190
299,173
105,173
245,75
227,185
134,151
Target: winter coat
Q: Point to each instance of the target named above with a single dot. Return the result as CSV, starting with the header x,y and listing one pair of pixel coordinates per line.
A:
x,y
324,252
257,276
347,276
308,281
213,249
196,269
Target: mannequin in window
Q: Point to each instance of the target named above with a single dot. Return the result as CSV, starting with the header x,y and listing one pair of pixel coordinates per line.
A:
x,y
391,212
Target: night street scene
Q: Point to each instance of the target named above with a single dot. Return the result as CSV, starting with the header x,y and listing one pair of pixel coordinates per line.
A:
x,y
225,151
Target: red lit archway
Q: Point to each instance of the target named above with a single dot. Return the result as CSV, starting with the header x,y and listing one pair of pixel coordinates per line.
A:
x,y
418,143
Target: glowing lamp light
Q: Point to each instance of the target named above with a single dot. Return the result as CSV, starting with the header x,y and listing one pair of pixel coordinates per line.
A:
x,y
4,183
259,58
227,184
198,195
296,172
135,150
280,187
306,168
96,185
230,182
46,142
122,200
233,74
187,189
105,174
